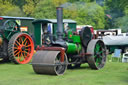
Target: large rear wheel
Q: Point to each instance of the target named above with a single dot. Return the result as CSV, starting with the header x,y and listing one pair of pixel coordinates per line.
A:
x,y
20,48
98,50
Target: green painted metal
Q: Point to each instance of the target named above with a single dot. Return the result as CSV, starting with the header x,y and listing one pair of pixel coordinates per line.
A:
x,y
76,39
54,29
24,22
8,29
8,34
72,48
37,34
70,34
72,26
98,54
75,46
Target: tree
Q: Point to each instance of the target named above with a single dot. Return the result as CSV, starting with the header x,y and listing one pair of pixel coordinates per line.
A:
x,y
117,10
47,9
122,22
30,6
80,1
57,3
86,14
8,9
126,10
19,3
83,13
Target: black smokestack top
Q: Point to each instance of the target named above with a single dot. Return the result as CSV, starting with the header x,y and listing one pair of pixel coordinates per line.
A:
x,y
59,13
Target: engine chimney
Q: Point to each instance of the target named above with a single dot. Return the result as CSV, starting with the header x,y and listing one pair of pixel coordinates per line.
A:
x,y
59,13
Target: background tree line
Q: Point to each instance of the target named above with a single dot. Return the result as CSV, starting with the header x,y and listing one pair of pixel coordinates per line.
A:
x,y
101,14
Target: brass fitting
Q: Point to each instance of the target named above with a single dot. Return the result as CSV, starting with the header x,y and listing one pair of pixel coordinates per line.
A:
x,y
1,40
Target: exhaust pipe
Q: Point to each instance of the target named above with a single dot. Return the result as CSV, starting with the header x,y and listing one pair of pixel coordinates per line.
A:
x,y
59,41
59,13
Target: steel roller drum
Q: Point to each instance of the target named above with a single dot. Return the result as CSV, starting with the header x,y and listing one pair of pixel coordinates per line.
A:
x,y
48,62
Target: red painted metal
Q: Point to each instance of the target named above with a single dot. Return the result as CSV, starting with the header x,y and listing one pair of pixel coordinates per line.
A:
x,y
27,44
1,18
62,50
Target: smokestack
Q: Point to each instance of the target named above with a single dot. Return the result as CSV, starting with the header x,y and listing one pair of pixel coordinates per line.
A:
x,y
59,13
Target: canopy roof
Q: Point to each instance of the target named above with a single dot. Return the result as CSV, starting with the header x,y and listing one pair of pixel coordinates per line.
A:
x,y
53,21
10,17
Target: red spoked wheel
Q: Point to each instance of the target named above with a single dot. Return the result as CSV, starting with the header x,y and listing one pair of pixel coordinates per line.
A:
x,y
21,48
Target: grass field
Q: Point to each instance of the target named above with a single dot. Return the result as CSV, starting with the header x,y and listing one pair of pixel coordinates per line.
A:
x,y
114,73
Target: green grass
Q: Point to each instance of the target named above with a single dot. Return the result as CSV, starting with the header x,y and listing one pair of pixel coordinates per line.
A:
x,y
114,73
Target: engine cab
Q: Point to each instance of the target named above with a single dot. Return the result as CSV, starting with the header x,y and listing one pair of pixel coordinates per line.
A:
x,y
45,27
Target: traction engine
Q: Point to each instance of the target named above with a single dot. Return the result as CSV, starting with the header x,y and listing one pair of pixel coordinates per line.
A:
x,y
68,51
15,45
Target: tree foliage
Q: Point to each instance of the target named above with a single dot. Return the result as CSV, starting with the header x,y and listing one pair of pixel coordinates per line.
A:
x,y
8,9
83,13
111,14
118,11
57,3
30,6
80,1
47,9
86,14
122,22
126,10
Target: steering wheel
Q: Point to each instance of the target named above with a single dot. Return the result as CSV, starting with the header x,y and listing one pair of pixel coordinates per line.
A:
x,y
11,25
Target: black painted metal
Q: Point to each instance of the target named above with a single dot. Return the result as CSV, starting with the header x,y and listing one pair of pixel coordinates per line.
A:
x,y
59,14
59,41
86,36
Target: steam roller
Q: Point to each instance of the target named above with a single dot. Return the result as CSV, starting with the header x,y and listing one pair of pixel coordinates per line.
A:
x,y
68,50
